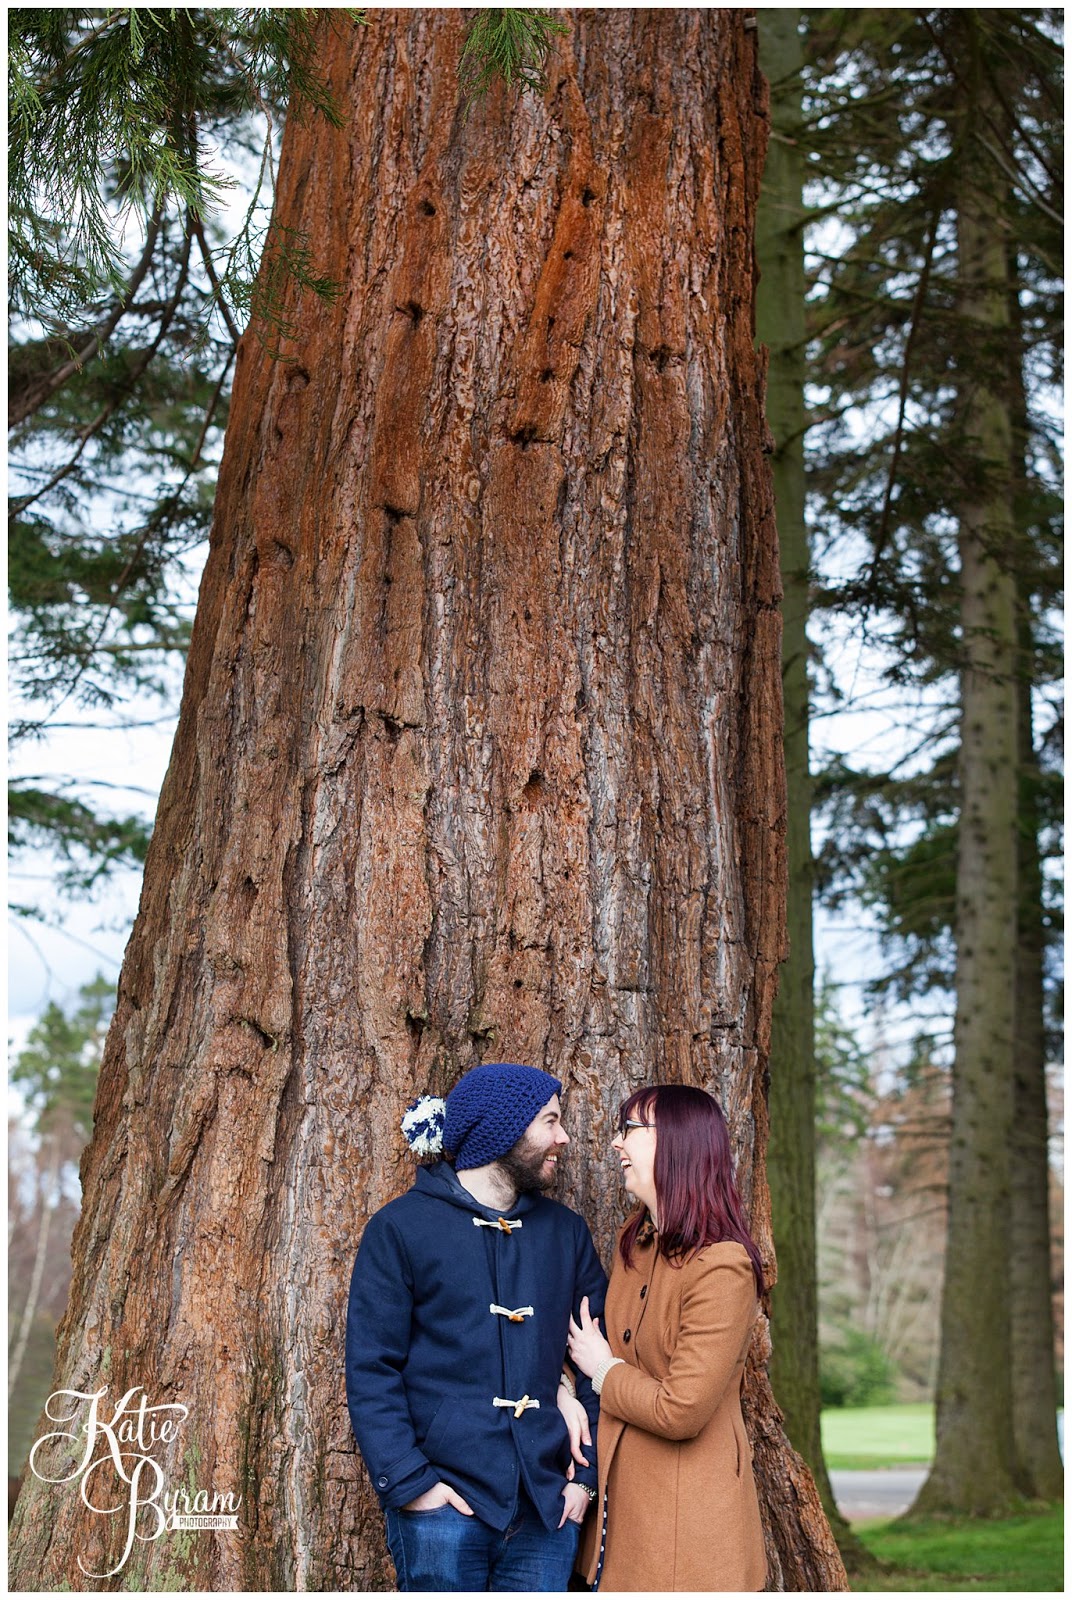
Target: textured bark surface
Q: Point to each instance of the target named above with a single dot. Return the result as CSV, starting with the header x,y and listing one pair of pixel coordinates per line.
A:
x,y
794,1367
973,1470
479,753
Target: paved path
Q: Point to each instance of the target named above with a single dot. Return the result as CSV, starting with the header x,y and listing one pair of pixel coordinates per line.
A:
x,y
883,1493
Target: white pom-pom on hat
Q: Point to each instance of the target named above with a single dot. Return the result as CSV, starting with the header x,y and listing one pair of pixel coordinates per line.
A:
x,y
423,1125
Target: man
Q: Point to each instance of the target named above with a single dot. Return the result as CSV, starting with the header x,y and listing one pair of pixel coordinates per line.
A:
x,y
459,1312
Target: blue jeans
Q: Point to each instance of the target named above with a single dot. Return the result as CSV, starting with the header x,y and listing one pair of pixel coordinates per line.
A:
x,y
444,1549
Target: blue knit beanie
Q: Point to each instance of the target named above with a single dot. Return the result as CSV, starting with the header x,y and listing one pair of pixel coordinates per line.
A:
x,y
489,1109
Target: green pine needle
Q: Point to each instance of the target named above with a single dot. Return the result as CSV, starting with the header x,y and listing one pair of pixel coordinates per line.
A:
x,y
510,44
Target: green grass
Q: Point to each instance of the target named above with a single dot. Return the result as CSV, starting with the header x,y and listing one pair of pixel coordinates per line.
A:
x,y
878,1436
1023,1553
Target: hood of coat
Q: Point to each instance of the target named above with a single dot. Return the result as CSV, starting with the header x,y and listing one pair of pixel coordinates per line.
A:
x,y
441,1182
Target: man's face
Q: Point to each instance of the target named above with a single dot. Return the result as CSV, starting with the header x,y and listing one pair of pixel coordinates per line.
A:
x,y
532,1163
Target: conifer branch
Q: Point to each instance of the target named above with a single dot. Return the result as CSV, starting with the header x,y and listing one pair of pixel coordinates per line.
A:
x,y
21,504
1019,180
509,43
224,309
36,391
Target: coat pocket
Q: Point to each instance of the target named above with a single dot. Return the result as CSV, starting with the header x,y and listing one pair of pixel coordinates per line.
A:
x,y
439,1429
742,1447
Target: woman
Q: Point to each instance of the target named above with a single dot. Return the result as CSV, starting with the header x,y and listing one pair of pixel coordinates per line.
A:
x,y
677,1504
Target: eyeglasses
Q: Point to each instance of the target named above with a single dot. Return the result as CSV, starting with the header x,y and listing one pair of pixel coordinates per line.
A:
x,y
627,1124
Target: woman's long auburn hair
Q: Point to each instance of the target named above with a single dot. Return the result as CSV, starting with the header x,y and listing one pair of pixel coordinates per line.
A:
x,y
698,1199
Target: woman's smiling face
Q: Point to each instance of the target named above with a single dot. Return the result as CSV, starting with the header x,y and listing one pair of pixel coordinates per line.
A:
x,y
635,1145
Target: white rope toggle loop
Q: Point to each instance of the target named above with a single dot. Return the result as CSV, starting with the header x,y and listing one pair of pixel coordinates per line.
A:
x,y
524,1404
512,1316
502,1223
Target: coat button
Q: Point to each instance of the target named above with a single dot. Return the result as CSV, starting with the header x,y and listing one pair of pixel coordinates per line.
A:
x,y
627,1335
382,1482
643,1291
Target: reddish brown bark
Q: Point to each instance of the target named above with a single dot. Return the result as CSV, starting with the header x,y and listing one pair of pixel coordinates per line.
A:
x,y
479,754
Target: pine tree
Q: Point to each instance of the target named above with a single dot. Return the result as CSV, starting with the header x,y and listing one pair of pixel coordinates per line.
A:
x,y
911,314
780,325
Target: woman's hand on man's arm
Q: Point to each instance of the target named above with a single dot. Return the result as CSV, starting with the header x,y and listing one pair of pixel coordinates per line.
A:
x,y
576,1419
587,1346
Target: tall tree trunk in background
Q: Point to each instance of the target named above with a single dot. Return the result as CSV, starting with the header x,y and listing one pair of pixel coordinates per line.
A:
x,y
479,753
973,1470
794,1367
46,1202
1035,1395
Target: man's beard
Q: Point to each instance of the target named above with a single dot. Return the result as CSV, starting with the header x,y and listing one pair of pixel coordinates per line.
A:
x,y
523,1164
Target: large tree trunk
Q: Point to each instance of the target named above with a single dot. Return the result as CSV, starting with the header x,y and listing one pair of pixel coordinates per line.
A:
x,y
973,1470
780,324
479,753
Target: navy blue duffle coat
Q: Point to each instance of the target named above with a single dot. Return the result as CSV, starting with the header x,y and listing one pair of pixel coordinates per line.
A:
x,y
427,1357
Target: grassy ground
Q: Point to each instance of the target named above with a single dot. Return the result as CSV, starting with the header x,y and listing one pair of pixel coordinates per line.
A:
x,y
878,1436
1018,1554
1015,1554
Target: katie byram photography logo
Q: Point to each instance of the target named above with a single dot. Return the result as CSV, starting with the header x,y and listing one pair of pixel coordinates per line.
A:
x,y
116,1473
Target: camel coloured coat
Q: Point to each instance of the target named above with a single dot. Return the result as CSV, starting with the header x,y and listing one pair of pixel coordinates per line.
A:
x,y
675,1465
